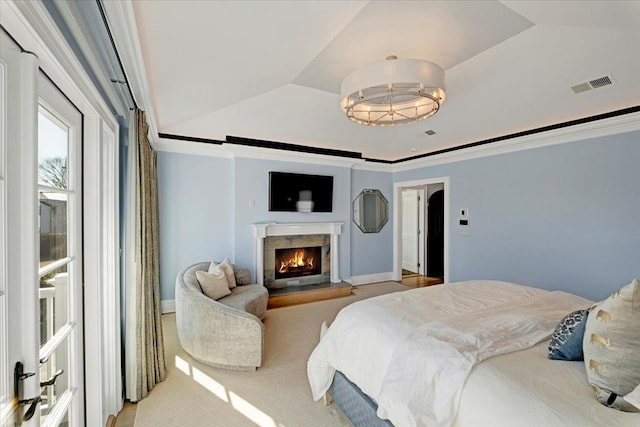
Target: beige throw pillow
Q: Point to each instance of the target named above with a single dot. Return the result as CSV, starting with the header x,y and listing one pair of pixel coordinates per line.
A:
x,y
214,285
612,349
227,268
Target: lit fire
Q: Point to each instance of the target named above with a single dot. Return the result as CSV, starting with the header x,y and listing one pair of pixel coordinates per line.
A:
x,y
296,261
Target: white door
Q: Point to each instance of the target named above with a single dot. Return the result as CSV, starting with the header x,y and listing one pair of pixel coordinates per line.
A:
x,y
421,235
41,302
410,227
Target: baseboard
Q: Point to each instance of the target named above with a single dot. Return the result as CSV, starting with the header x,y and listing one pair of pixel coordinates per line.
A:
x,y
168,306
371,278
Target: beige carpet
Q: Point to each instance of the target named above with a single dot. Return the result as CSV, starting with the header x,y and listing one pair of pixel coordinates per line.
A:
x,y
276,395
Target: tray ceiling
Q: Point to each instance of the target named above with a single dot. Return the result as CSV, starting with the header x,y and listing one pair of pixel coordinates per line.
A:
x,y
272,70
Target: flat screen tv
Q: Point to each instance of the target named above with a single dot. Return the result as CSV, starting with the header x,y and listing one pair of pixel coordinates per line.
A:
x,y
296,192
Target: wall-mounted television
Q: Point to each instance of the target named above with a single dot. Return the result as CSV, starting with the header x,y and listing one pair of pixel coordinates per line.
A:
x,y
296,192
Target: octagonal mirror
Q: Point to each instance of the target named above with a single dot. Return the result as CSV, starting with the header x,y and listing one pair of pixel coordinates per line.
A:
x,y
370,211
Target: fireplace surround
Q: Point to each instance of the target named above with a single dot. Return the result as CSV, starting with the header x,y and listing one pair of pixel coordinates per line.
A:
x,y
273,236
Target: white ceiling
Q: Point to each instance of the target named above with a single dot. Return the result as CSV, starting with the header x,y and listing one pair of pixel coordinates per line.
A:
x,y
272,70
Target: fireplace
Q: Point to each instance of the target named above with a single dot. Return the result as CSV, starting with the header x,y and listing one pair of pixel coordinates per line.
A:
x,y
319,241
298,262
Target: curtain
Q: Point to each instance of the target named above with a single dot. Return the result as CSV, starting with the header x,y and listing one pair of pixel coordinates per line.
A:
x,y
144,345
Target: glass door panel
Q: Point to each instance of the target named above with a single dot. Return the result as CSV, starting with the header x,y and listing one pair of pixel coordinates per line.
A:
x,y
53,150
59,218
56,366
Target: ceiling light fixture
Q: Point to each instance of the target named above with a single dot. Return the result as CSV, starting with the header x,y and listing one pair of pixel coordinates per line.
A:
x,y
393,92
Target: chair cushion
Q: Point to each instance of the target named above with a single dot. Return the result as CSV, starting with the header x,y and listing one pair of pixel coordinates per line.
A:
x,y
250,298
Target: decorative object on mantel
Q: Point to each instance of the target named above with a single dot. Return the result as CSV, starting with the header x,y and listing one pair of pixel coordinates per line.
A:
x,y
393,92
305,202
370,211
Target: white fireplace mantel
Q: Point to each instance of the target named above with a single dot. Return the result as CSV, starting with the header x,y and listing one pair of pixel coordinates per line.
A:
x,y
296,229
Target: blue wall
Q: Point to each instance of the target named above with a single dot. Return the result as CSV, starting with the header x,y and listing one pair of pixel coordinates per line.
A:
x,y
208,206
560,217
252,184
196,213
372,252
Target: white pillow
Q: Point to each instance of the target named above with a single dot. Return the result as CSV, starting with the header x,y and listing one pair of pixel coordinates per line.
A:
x,y
612,349
227,268
214,285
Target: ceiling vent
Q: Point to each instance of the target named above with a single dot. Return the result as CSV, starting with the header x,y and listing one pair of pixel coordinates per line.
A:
x,y
429,132
593,84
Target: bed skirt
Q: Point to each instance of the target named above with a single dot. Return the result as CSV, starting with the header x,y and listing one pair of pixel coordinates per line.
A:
x,y
357,406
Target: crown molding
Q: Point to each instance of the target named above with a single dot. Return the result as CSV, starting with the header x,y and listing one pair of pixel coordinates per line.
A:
x,y
191,147
289,156
605,127
598,128
373,167
122,25
229,151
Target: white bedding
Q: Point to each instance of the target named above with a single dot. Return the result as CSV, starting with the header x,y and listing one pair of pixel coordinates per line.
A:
x,y
525,389
412,351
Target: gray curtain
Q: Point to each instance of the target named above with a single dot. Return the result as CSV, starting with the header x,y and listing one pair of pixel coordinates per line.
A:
x,y
149,343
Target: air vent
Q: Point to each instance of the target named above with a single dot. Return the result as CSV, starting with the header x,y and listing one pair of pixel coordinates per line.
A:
x,y
593,84
429,132
602,81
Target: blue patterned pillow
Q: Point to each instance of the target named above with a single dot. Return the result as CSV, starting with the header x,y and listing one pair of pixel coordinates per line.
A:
x,y
566,341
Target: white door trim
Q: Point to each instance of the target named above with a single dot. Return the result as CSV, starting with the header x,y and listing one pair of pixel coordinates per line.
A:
x,y
397,222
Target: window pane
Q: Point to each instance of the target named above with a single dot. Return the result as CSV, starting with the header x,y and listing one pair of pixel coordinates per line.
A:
x,y
53,227
52,151
54,299
50,395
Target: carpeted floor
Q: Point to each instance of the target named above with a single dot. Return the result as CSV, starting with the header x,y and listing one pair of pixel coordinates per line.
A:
x,y
276,395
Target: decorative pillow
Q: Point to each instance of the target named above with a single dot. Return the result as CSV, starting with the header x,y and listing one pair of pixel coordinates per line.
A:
x,y
612,349
214,285
243,275
227,268
566,341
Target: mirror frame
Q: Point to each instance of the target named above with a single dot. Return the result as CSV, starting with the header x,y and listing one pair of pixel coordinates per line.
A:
x,y
381,206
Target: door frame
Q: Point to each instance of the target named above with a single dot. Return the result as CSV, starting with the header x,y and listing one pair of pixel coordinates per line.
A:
x,y
32,28
397,222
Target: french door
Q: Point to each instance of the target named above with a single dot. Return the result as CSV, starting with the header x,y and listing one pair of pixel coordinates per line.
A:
x,y
41,328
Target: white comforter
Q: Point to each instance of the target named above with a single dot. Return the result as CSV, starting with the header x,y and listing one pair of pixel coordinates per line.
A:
x,y
412,351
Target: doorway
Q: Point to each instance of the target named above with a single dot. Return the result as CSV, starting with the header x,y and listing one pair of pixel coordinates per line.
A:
x,y
435,234
421,237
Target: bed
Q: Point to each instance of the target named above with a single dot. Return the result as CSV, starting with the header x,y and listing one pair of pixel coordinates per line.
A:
x,y
463,354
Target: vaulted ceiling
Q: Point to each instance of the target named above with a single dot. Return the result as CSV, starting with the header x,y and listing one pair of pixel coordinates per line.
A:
x,y
271,70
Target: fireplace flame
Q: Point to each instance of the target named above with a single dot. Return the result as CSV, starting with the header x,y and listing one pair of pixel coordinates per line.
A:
x,y
297,260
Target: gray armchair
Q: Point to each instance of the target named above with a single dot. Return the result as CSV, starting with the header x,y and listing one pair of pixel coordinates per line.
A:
x,y
226,333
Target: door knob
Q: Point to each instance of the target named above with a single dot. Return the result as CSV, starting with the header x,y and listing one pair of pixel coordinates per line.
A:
x,y
32,409
19,376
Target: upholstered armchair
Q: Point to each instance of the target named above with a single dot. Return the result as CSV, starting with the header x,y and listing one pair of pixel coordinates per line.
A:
x,y
226,333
